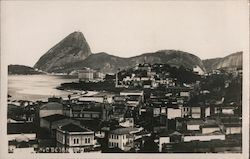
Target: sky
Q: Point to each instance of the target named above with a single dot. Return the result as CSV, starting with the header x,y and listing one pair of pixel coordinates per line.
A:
x,y
207,29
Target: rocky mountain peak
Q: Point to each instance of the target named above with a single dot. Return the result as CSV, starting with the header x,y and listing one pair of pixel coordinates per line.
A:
x,y
72,48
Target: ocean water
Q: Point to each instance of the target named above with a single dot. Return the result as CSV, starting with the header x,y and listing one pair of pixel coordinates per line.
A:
x,y
36,87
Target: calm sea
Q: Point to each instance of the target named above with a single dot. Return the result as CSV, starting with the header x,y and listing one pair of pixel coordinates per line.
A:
x,y
36,87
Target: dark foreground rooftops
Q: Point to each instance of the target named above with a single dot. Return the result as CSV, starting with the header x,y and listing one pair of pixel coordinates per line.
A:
x,y
18,128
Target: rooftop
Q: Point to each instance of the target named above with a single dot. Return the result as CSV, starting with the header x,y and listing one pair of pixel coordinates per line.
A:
x,y
54,117
122,131
195,122
18,128
131,91
52,106
74,128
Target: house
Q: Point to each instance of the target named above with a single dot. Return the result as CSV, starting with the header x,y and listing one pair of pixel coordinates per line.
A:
x,y
22,137
134,93
84,110
195,112
100,97
51,108
200,111
86,75
174,112
127,122
74,135
122,138
168,137
233,128
194,125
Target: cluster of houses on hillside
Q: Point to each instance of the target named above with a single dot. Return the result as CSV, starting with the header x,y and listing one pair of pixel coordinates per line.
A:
x,y
129,120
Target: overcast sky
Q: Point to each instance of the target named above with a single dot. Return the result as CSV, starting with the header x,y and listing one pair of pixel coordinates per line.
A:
x,y
207,29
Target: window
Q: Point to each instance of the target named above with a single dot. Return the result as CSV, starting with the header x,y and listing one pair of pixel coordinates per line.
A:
x,y
76,141
87,140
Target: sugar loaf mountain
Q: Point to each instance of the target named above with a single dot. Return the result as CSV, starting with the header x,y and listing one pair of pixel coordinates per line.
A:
x,y
74,53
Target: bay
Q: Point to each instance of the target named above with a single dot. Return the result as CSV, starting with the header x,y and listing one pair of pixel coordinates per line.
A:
x,y
37,87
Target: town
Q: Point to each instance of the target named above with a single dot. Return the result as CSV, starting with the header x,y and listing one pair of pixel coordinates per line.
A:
x,y
147,108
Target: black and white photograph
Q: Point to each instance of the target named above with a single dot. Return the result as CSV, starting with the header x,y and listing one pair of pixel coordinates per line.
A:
x,y
125,79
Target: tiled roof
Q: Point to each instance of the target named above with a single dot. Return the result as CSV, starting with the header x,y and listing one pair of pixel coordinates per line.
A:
x,y
74,128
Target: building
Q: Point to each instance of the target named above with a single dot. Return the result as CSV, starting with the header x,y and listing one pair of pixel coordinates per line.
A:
x,y
204,137
174,112
51,108
98,97
86,75
194,125
52,122
233,128
127,122
198,70
168,137
74,135
210,126
122,138
84,110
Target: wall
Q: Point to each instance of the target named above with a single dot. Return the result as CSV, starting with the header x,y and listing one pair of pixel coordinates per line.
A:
x,y
233,130
193,127
44,124
44,113
122,139
174,113
204,137
210,130
93,99
81,138
196,112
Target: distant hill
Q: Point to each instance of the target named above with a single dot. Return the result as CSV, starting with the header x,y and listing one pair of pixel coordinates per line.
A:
x,y
231,61
73,53
22,70
109,64
71,49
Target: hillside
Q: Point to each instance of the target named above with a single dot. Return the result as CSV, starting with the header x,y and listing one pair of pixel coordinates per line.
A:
x,y
109,64
21,70
231,61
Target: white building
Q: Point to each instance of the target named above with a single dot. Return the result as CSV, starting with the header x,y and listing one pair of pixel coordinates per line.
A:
x,y
194,125
127,122
173,113
204,137
122,138
233,128
74,135
198,70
